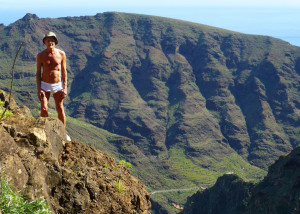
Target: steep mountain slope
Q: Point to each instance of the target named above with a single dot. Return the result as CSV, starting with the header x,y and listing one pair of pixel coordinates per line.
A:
x,y
230,195
71,176
198,101
277,193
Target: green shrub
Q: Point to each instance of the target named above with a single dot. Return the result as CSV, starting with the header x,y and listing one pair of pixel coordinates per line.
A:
x,y
7,114
119,186
12,203
123,162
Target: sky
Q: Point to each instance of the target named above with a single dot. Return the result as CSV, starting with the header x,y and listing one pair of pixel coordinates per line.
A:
x,y
276,18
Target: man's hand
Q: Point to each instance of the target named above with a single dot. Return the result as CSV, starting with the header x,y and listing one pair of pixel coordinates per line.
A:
x,y
41,94
63,93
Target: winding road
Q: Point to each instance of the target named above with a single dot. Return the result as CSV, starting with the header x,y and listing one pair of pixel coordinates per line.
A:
x,y
173,190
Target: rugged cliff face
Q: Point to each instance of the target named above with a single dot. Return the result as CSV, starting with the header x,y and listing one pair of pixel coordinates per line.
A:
x,y
71,176
278,193
229,195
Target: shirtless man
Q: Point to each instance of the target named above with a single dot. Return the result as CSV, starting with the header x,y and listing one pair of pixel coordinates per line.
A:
x,y
53,79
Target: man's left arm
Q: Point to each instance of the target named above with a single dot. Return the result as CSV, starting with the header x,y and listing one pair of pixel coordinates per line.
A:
x,y
64,74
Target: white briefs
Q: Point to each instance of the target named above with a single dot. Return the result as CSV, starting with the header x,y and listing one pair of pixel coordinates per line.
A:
x,y
52,87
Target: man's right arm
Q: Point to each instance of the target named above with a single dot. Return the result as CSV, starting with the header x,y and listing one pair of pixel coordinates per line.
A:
x,y
38,75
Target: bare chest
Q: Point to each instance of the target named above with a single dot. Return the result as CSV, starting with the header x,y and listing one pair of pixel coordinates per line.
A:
x,y
51,60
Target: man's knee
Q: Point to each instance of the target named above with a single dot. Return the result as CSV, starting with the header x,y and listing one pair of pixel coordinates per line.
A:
x,y
44,111
59,108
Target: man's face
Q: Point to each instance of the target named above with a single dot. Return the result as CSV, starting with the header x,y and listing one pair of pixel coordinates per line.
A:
x,y
50,42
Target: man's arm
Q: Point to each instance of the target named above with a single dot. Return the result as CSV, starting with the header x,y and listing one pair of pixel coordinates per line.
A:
x,y
64,73
38,75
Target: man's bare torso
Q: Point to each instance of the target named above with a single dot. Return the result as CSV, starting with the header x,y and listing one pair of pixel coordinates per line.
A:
x,y
51,63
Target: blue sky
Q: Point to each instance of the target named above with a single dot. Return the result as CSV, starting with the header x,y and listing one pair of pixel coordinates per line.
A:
x,y
275,18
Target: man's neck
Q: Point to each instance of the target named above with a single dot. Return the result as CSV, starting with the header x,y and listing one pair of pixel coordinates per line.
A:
x,y
50,50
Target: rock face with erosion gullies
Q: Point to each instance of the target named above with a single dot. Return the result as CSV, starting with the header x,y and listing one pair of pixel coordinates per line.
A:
x,y
73,177
277,193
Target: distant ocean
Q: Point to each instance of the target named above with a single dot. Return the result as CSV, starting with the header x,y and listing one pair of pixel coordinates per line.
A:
x,y
293,40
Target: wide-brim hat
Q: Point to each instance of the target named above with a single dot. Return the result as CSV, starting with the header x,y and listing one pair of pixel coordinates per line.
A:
x,y
50,34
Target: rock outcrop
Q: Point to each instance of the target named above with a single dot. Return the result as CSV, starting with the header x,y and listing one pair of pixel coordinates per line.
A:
x,y
228,195
277,193
73,177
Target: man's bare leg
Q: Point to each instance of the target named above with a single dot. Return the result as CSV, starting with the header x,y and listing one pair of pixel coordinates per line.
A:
x,y
59,98
60,107
44,103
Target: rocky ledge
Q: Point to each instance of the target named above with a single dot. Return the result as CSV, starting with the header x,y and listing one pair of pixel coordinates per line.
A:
x,y
73,177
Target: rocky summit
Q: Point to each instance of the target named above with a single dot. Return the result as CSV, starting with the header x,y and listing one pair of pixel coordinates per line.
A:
x,y
73,177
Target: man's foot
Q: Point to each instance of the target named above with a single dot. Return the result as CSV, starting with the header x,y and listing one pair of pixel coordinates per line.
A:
x,y
68,138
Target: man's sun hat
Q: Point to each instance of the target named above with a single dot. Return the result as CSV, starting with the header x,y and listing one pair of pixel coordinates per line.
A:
x,y
50,34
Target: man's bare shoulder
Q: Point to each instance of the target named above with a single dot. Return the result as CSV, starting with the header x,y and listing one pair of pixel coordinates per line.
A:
x,y
61,52
42,53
